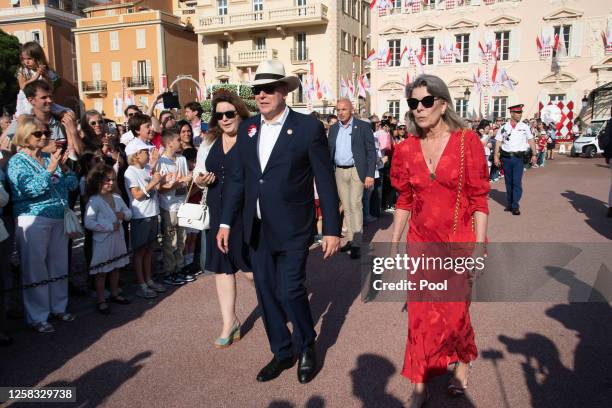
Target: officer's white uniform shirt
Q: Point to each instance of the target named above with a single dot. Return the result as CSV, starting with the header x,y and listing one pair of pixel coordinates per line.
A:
x,y
514,139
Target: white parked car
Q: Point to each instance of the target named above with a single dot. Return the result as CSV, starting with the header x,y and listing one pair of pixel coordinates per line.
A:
x,y
586,144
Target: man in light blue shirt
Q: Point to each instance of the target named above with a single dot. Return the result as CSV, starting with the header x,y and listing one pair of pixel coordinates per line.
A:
x,y
351,145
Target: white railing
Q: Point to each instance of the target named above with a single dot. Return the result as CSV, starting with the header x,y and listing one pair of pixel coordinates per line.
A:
x,y
255,56
258,17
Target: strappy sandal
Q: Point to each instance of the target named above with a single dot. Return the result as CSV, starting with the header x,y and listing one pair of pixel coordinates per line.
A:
x,y
103,308
456,389
119,300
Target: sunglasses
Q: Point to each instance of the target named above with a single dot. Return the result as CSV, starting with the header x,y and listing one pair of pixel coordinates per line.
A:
x,y
38,134
228,114
267,89
427,102
96,122
130,114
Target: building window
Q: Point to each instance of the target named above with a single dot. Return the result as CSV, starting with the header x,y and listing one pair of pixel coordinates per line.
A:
x,y
114,40
355,10
258,9
365,14
99,105
36,35
224,81
345,43
461,107
115,71
503,40
564,32
94,45
429,5
299,97
222,7
301,53
355,46
259,43
345,8
395,50
15,3
499,107
463,40
141,38
556,98
393,108
364,49
427,44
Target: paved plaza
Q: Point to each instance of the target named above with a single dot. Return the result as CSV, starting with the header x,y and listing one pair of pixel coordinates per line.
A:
x,y
160,353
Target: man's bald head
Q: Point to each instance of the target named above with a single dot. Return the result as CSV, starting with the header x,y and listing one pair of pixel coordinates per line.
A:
x,y
344,110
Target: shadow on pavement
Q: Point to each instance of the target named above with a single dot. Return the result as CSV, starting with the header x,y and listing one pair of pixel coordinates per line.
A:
x,y
47,353
498,196
549,381
370,379
595,210
316,401
96,385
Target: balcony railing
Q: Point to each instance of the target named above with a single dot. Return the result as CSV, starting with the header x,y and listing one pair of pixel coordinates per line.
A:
x,y
299,55
139,82
94,87
248,58
292,16
222,63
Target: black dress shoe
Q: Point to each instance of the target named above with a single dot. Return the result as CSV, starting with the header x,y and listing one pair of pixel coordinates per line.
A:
x,y
507,209
355,253
274,368
516,211
346,247
307,365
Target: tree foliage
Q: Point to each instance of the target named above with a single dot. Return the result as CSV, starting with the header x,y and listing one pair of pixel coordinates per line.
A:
x,y
9,62
244,92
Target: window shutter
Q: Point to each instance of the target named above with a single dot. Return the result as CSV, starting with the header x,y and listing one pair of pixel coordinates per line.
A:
x,y
576,36
95,71
141,39
116,71
93,42
438,39
515,44
134,69
474,56
149,73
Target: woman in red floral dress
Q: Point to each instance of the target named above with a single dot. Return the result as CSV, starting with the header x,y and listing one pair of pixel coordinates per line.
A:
x,y
441,175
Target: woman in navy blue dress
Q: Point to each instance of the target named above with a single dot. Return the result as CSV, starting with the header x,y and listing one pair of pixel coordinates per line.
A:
x,y
227,112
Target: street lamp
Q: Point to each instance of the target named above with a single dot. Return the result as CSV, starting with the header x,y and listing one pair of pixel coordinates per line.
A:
x,y
585,102
467,93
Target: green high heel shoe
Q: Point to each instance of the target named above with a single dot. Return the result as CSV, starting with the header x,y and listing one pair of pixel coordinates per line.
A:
x,y
233,337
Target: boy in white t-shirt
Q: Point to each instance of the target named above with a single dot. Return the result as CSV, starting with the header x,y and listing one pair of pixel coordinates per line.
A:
x,y
172,193
142,186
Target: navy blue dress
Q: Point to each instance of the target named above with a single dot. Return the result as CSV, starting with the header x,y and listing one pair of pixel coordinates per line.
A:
x,y
219,163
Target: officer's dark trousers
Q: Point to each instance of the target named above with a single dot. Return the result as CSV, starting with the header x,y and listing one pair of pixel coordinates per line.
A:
x,y
513,174
279,284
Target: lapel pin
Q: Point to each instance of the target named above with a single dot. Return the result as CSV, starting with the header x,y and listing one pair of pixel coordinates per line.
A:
x,y
289,131
252,130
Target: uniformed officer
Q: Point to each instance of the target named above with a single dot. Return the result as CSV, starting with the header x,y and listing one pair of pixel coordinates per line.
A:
x,y
514,139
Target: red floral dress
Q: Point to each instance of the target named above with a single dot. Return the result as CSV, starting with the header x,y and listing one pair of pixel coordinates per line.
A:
x,y
439,333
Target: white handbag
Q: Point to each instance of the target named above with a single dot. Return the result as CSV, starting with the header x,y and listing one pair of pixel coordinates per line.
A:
x,y
196,216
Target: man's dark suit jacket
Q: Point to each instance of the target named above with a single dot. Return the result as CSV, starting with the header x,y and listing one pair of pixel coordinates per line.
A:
x,y
362,144
285,187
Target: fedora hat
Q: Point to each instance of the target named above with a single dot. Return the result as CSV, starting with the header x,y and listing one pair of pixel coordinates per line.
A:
x,y
273,72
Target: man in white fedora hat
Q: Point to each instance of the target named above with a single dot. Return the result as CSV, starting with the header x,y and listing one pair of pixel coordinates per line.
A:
x,y
279,151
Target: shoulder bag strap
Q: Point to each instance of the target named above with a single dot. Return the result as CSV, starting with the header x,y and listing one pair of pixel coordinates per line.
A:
x,y
460,182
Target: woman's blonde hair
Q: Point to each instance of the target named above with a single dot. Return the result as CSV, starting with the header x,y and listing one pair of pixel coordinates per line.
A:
x,y
26,125
436,87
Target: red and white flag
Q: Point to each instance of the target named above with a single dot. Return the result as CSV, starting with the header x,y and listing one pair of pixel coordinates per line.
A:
x,y
372,55
361,88
538,43
407,78
250,73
